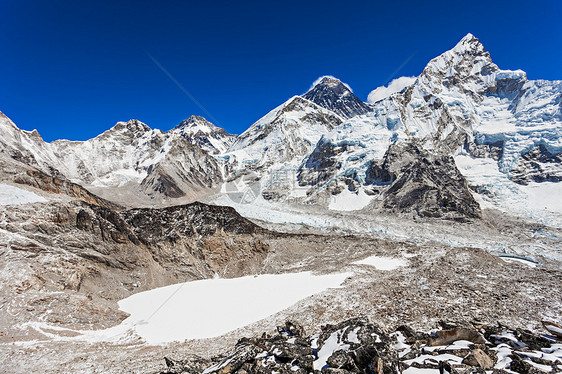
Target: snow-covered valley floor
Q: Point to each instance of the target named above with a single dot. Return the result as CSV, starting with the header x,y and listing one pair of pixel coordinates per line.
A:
x,y
394,269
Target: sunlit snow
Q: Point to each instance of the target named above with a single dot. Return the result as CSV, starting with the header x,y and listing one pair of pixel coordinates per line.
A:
x,y
348,201
11,195
213,307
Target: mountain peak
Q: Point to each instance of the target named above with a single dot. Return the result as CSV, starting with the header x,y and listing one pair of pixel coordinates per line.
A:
x,y
203,133
332,94
133,126
329,81
197,122
469,43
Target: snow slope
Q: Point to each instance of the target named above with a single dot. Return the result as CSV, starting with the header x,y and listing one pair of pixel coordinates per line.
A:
x,y
11,195
167,314
461,104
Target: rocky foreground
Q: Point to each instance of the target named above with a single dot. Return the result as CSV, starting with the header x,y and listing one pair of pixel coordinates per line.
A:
x,y
360,346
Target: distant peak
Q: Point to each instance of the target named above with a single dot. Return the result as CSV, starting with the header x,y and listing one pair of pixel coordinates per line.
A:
x,y
328,81
197,125
133,125
469,37
469,42
195,121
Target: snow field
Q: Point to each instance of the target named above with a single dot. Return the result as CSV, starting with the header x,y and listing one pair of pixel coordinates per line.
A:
x,y
213,307
11,195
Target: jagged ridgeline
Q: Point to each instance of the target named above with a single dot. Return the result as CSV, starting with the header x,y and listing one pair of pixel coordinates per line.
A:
x,y
439,201
476,130
361,346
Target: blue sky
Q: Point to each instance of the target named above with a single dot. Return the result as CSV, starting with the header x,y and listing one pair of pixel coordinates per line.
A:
x,y
72,69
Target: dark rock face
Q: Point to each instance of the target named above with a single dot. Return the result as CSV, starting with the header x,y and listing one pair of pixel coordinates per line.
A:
x,y
195,240
493,150
186,168
359,346
333,95
538,165
321,165
424,183
169,224
161,182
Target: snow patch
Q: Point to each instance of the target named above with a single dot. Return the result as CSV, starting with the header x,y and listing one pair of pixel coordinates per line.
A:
x,y
330,346
11,195
213,307
348,200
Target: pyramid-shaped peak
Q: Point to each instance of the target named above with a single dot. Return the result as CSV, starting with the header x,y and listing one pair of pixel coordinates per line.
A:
x,y
328,81
133,125
194,121
469,43
332,94
197,126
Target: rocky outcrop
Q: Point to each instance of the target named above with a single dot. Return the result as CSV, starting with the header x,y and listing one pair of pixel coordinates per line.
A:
x,y
538,165
422,182
196,219
361,346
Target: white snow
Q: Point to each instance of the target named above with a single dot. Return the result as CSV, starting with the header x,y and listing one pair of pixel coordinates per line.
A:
x,y
423,359
213,307
554,329
12,195
331,345
539,201
348,200
415,370
382,263
519,260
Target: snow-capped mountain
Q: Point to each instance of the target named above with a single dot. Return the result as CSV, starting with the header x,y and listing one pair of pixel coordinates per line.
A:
x,y
197,130
332,94
280,139
128,162
495,122
463,127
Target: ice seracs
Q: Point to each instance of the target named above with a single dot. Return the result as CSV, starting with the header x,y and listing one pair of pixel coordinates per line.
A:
x,y
314,146
461,104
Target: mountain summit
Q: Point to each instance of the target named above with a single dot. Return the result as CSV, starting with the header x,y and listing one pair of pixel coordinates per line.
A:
x,y
332,94
197,130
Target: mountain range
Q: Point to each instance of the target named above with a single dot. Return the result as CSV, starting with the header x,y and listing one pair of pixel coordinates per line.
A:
x,y
435,205
460,136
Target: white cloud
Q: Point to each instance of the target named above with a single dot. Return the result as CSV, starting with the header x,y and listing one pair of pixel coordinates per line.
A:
x,y
396,85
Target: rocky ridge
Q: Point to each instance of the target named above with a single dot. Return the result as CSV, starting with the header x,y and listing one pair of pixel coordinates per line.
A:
x,y
361,346
330,93
309,150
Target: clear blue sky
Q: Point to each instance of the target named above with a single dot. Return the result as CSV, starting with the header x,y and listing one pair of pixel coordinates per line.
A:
x,y
71,69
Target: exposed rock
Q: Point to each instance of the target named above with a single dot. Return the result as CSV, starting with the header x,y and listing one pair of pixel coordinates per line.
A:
x,y
332,94
358,346
538,165
422,182
446,337
478,358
